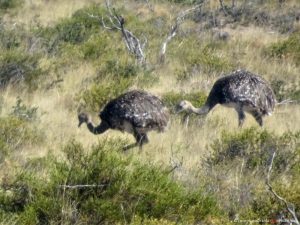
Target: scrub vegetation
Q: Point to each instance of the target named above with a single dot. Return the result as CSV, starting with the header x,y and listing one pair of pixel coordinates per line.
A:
x,y
58,58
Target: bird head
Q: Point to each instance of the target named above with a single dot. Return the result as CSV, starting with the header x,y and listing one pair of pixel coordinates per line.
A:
x,y
83,118
183,106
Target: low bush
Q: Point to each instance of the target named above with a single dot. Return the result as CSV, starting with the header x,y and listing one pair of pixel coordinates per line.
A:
x,y
99,94
74,30
117,69
256,147
113,78
18,67
238,168
23,111
286,91
173,98
288,49
96,46
16,133
11,38
123,191
205,57
9,4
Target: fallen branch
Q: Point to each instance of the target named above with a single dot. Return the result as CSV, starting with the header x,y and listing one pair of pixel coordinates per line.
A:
x,y
81,186
289,206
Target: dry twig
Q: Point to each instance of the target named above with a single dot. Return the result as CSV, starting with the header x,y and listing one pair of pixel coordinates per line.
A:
x,y
133,44
81,186
174,28
289,206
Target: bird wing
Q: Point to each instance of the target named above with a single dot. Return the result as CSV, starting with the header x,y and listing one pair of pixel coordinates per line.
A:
x,y
139,108
254,92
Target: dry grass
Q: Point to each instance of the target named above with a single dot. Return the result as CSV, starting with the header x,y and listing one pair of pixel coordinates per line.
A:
x,y
58,106
46,12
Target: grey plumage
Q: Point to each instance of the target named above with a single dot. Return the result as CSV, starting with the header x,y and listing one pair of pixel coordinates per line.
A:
x,y
242,90
136,112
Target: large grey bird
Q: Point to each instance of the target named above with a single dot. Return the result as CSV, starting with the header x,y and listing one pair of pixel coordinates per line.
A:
x,y
136,112
241,90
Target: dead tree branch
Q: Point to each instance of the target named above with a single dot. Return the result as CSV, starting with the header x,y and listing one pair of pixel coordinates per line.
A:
x,y
132,43
174,28
289,206
223,7
149,5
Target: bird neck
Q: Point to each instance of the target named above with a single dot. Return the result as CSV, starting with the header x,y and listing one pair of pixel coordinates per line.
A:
x,y
101,128
200,111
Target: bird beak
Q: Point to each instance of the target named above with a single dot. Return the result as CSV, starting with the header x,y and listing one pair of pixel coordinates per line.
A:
x,y
80,123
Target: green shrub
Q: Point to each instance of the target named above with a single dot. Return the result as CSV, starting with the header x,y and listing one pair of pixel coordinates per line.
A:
x,y
8,4
194,53
173,98
24,112
100,94
117,69
17,67
126,190
289,48
286,90
208,60
74,30
113,78
15,133
95,47
11,38
238,166
256,147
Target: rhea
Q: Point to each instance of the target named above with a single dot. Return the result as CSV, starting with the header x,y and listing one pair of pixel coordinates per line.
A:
x,y
241,90
136,112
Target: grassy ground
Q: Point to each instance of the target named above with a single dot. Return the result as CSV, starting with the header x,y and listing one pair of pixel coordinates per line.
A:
x,y
187,70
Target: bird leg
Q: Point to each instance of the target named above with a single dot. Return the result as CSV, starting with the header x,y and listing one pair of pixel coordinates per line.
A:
x,y
140,138
185,119
241,116
257,117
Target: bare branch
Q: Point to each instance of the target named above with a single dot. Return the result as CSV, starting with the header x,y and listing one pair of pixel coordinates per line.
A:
x,y
80,186
232,4
150,6
289,206
223,7
285,102
179,19
132,43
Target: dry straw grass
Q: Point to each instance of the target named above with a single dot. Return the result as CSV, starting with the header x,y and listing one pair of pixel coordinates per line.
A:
x,y
59,119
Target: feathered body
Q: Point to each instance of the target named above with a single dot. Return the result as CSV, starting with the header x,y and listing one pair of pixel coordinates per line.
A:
x,y
242,90
136,112
137,109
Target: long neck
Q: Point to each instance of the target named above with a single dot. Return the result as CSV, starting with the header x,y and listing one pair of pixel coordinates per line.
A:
x,y
202,110
101,128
